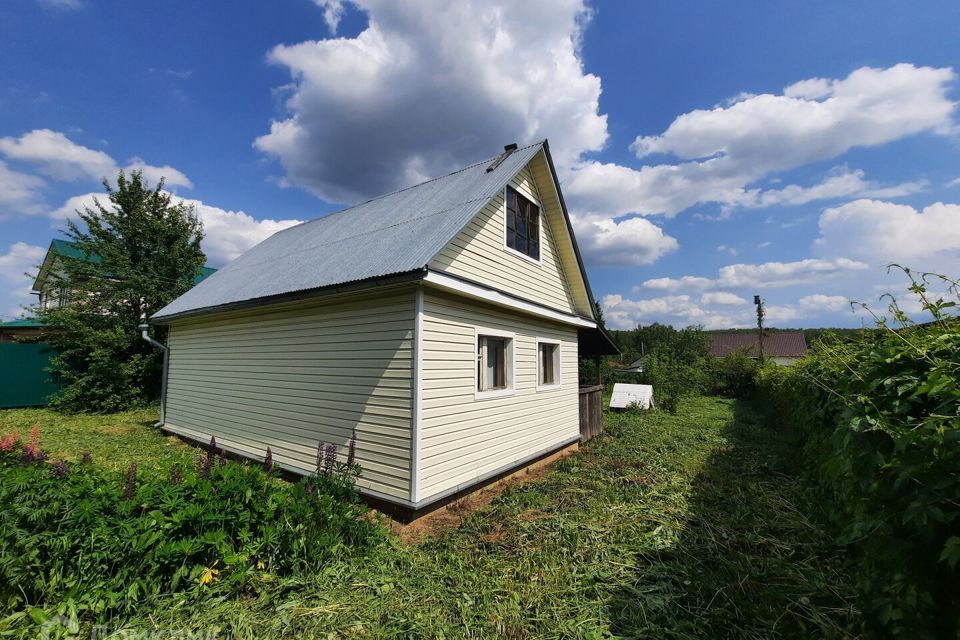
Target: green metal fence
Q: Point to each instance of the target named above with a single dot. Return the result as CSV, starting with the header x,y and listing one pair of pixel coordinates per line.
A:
x,y
23,379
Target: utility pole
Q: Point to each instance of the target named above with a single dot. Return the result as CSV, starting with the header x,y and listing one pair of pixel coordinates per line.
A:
x,y
757,300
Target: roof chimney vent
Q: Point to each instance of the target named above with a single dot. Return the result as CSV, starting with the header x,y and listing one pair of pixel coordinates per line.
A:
x,y
507,150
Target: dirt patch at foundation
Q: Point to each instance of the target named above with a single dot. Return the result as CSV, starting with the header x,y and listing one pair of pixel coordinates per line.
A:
x,y
453,514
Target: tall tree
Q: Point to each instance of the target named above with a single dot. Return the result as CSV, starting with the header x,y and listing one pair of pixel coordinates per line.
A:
x,y
140,252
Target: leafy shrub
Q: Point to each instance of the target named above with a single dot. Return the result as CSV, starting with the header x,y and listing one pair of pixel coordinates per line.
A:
x,y
733,376
676,368
103,541
878,421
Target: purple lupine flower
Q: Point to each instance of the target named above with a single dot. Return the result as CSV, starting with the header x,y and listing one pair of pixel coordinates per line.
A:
x,y
176,474
308,488
223,457
212,448
60,469
321,447
268,461
130,482
329,458
352,449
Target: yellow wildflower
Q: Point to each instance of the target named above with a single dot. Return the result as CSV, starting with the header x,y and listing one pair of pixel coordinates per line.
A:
x,y
209,574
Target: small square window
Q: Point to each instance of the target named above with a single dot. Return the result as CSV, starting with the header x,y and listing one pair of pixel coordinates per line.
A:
x,y
494,364
548,363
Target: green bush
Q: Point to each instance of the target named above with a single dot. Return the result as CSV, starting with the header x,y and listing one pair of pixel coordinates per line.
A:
x,y
101,542
733,376
878,421
676,368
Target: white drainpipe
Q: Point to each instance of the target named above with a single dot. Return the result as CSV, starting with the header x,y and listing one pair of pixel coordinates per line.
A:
x,y
144,333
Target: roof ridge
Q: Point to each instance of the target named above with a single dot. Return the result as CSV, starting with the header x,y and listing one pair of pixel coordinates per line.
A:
x,y
402,189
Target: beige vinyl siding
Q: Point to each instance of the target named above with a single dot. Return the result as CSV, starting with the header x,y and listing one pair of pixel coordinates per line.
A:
x,y
463,438
478,253
288,376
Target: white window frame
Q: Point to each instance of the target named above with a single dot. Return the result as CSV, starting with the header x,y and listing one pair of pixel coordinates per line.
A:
x,y
511,364
559,365
508,248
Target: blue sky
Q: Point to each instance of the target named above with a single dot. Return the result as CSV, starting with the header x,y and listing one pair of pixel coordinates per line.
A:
x,y
708,151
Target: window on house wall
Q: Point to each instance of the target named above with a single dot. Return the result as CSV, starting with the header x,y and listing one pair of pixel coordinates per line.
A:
x,y
548,363
523,224
494,364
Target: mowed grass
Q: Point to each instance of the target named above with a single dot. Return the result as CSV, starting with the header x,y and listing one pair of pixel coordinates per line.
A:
x,y
686,526
114,440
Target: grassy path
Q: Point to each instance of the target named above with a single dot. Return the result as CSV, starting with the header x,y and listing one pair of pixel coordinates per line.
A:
x,y
686,526
681,526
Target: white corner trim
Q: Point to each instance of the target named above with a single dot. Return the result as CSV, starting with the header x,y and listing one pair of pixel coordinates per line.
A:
x,y
511,364
559,372
511,250
417,398
493,296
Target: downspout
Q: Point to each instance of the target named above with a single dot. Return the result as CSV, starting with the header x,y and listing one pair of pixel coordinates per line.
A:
x,y
144,333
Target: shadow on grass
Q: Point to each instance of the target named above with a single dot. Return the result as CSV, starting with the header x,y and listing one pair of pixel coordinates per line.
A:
x,y
753,559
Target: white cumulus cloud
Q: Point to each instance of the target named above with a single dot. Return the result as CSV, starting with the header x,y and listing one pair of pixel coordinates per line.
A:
x,y
60,158
422,90
818,302
20,259
635,241
722,151
767,275
880,232
721,297
19,192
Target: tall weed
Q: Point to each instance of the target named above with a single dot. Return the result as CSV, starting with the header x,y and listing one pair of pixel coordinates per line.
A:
x,y
878,423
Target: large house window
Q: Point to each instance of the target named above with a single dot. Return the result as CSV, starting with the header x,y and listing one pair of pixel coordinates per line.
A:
x,y
548,363
494,364
523,225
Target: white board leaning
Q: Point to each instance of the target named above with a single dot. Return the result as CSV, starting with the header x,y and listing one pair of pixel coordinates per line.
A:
x,y
625,395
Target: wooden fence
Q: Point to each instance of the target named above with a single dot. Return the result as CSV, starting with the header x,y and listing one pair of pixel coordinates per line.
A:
x,y
591,412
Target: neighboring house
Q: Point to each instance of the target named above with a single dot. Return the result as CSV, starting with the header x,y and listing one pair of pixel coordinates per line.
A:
x,y
442,323
24,330
634,367
50,296
24,359
783,347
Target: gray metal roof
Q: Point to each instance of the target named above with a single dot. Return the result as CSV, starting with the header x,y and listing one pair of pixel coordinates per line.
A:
x,y
396,233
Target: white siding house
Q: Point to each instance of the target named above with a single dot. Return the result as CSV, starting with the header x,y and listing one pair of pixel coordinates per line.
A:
x,y
440,323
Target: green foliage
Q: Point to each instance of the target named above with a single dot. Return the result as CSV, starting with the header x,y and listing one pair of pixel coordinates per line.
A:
x,y
733,376
100,542
878,422
676,367
669,526
143,252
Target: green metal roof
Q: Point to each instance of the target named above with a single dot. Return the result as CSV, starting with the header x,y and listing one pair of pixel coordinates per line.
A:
x,y
68,249
23,323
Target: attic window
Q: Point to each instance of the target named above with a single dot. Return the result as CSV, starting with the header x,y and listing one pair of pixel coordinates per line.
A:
x,y
523,225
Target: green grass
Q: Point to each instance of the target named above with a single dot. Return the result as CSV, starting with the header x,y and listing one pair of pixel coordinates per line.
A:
x,y
686,526
114,440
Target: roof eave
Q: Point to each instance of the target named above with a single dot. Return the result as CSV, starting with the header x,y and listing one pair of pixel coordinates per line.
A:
x,y
413,275
573,238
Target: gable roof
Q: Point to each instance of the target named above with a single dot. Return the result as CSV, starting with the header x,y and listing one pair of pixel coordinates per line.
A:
x,y
776,344
389,236
67,249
